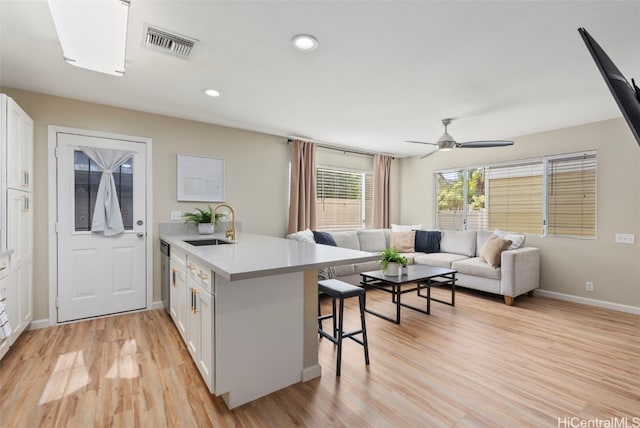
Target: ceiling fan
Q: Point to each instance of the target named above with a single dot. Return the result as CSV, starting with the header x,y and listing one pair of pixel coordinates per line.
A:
x,y
446,142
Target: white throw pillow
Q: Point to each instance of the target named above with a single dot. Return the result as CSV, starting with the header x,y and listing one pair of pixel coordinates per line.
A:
x,y
516,238
303,236
405,227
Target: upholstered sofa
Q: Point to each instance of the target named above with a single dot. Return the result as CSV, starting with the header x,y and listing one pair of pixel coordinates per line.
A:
x,y
515,269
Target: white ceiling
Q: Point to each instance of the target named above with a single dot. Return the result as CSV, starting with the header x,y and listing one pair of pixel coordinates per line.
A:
x,y
384,71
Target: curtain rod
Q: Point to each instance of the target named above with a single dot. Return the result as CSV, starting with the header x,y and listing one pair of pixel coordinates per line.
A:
x,y
337,149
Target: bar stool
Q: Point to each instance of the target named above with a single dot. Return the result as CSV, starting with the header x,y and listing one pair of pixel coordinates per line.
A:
x,y
341,290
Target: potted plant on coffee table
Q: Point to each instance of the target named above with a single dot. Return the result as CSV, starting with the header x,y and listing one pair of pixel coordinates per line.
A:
x,y
392,262
204,220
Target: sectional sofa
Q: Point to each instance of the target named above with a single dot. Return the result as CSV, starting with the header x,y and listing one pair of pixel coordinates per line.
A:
x,y
513,271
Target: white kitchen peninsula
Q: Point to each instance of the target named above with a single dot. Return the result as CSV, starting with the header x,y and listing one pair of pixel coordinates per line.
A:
x,y
251,310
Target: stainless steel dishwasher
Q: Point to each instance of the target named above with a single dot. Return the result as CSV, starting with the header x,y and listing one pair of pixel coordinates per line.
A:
x,y
165,273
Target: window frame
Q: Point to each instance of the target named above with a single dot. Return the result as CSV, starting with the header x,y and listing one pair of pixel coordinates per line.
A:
x,y
544,162
365,197
124,192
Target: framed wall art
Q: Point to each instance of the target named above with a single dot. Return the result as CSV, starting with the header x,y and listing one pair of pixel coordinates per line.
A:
x,y
200,179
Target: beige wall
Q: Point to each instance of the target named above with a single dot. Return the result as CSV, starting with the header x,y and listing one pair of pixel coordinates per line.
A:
x,y
256,169
565,263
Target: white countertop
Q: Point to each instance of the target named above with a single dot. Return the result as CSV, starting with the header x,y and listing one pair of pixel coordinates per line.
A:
x,y
254,256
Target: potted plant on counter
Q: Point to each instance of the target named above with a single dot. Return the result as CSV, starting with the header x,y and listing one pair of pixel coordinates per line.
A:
x,y
204,220
392,262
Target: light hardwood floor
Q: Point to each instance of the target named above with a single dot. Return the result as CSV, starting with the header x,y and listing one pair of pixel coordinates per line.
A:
x,y
479,364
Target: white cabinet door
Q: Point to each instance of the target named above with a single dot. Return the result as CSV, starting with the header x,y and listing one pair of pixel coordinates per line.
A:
x,y
178,296
192,308
205,317
24,287
4,290
193,326
19,225
19,148
200,331
20,239
17,214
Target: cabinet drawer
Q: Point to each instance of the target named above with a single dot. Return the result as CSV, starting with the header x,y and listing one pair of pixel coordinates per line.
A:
x,y
179,256
201,273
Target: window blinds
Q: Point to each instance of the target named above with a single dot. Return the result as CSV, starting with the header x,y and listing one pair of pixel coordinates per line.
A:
x,y
515,197
343,199
571,195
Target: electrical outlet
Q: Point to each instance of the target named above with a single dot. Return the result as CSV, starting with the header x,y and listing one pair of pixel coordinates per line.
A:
x,y
176,215
625,238
588,286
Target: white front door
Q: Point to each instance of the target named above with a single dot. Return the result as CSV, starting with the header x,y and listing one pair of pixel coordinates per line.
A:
x,y
98,274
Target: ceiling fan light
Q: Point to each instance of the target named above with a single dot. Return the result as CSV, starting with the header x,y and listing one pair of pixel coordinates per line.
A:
x,y
446,145
93,34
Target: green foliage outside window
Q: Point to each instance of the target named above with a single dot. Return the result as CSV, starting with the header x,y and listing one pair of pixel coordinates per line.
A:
x,y
451,190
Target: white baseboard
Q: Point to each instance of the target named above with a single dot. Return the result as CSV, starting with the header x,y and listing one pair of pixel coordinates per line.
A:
x,y
312,372
316,371
44,323
586,301
38,324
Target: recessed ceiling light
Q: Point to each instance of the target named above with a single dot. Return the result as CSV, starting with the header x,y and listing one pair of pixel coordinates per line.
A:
x,y
212,93
304,42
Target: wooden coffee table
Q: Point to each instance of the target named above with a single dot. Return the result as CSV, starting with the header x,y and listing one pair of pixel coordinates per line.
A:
x,y
422,276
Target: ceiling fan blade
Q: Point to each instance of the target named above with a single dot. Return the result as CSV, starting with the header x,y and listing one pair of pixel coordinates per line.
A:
x,y
421,142
428,154
488,143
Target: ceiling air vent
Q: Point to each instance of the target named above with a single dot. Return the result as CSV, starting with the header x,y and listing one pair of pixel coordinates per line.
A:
x,y
168,42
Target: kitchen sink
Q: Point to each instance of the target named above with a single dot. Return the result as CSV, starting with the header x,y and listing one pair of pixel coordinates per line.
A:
x,y
201,242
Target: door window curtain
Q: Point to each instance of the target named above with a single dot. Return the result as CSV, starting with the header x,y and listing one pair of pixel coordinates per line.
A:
x,y
107,217
302,198
381,186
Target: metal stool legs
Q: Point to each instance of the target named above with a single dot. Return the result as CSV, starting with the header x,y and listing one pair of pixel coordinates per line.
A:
x,y
338,327
365,343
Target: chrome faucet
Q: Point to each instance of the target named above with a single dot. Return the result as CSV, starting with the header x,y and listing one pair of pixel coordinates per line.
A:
x,y
231,233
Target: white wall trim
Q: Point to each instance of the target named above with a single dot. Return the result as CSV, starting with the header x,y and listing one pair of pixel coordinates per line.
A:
x,y
586,301
53,209
38,324
312,372
52,217
44,323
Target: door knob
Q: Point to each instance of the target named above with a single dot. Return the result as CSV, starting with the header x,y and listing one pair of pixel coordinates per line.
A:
x,y
140,234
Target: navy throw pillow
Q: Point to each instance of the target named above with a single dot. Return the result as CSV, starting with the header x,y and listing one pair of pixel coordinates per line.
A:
x,y
427,241
324,238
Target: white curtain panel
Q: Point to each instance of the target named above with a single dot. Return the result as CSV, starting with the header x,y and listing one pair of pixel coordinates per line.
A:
x,y
107,217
